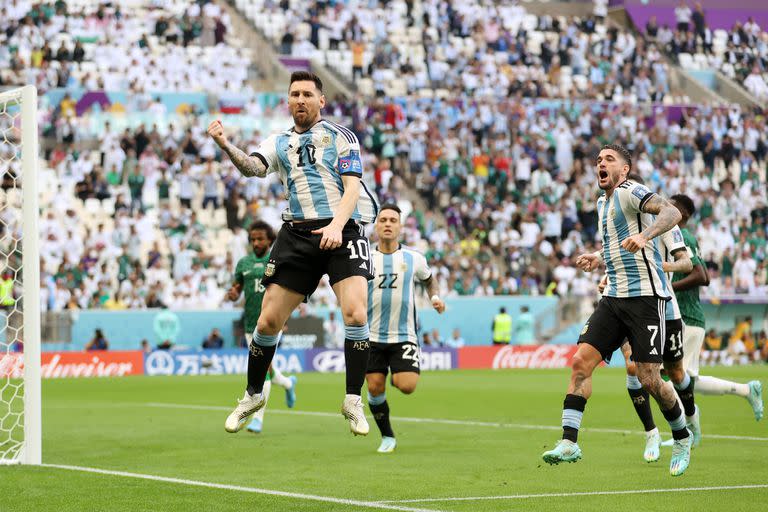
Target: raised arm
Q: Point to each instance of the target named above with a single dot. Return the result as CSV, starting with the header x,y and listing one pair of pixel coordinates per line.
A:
x,y
248,166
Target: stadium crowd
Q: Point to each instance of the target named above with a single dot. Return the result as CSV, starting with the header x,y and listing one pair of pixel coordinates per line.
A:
x,y
741,53
154,216
166,46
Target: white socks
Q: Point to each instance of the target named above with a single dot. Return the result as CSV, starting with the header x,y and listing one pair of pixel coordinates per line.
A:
x,y
713,386
260,413
280,379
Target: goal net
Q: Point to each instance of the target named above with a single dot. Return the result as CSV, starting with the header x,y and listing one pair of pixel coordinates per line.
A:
x,y
20,416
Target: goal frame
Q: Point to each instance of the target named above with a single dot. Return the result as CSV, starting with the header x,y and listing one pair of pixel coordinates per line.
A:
x,y
31,450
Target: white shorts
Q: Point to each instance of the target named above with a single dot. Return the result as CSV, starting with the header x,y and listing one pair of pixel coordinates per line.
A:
x,y
693,339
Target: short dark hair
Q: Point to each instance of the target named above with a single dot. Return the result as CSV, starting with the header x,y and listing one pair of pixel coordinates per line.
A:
x,y
390,206
502,309
685,202
260,225
636,177
622,151
303,76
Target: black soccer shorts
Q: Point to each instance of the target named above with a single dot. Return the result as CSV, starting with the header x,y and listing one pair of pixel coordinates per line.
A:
x,y
398,357
296,261
638,319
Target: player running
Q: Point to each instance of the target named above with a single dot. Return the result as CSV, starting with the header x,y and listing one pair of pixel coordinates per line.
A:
x,y
392,317
249,273
686,287
633,304
320,167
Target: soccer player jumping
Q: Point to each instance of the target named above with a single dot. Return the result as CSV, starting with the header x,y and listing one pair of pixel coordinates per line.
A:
x,y
633,304
320,167
392,317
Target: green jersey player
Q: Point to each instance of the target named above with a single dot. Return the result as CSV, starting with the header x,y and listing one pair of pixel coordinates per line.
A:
x,y
248,275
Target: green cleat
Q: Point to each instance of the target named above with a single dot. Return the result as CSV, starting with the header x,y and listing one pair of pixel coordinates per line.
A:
x,y
755,398
694,425
564,451
681,455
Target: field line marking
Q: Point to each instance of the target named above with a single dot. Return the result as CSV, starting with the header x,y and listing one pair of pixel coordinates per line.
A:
x,y
255,490
586,493
440,421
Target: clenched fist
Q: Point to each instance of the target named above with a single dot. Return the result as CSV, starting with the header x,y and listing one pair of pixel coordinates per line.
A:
x,y
216,131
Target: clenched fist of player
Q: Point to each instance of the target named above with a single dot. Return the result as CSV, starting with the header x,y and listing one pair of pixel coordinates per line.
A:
x,y
216,131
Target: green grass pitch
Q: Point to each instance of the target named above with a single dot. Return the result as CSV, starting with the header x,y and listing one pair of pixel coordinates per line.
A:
x,y
118,425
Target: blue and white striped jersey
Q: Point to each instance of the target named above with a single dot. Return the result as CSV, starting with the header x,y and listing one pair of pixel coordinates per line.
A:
x,y
619,217
392,297
668,243
311,165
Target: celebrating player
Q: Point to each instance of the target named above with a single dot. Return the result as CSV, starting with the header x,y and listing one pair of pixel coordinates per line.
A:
x,y
686,287
675,258
320,167
633,304
249,273
392,317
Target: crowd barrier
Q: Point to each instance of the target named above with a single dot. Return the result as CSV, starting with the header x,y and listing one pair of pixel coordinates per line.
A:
x,y
235,361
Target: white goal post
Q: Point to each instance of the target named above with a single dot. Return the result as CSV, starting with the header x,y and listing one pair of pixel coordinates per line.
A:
x,y
20,386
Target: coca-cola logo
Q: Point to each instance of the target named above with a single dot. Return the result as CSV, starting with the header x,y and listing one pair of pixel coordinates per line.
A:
x,y
543,356
329,361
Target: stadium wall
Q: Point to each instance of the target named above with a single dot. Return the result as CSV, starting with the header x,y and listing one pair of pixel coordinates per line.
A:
x,y
235,361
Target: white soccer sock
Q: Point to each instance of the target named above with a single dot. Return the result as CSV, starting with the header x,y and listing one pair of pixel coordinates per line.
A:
x,y
280,379
260,413
707,385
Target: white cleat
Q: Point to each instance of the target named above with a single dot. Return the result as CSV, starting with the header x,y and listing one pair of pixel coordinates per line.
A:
x,y
652,446
387,445
352,409
245,408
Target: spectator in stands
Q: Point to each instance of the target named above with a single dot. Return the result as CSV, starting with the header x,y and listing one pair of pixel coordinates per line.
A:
x,y
524,327
146,347
455,340
98,342
213,340
334,331
683,16
755,84
699,20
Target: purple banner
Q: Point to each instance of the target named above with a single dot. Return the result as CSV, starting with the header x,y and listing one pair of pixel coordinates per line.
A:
x,y
332,361
717,13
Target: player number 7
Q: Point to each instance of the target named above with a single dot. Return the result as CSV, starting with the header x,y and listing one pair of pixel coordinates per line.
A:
x,y
654,331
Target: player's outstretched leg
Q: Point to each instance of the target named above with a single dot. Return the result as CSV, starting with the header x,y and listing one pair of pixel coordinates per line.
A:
x,y
257,422
584,363
684,385
752,391
641,401
260,353
356,349
287,383
665,396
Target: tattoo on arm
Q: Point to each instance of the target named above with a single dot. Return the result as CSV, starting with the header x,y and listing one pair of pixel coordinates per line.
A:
x,y
247,165
667,216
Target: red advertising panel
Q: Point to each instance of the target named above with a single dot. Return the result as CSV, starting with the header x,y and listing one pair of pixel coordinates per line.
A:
x,y
517,356
77,364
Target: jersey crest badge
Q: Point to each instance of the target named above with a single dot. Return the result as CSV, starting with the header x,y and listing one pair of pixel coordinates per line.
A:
x,y
325,141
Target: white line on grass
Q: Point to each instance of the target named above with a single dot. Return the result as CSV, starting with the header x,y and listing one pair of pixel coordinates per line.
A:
x,y
439,421
255,490
587,493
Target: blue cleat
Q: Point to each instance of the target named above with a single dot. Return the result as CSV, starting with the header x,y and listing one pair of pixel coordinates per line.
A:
x,y
755,398
254,426
694,425
681,455
387,445
564,451
290,394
